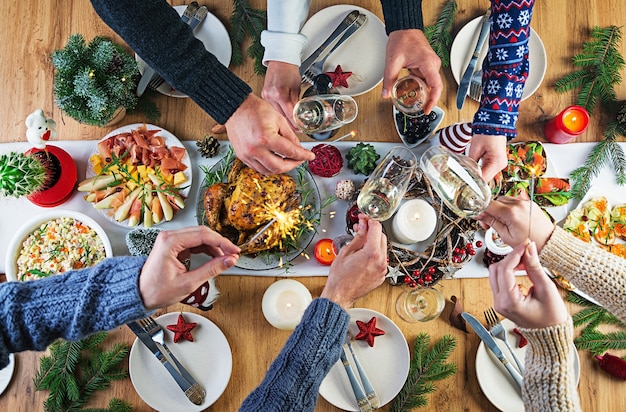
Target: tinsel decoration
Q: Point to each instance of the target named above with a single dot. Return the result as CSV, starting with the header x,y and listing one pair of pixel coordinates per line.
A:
x,y
208,146
93,80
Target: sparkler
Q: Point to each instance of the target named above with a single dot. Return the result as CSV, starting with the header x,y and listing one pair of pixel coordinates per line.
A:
x,y
353,133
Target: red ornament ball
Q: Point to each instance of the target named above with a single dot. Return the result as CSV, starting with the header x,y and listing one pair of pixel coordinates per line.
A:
x,y
328,161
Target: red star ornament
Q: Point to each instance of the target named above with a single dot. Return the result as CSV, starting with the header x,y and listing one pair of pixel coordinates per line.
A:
x,y
339,77
368,331
182,329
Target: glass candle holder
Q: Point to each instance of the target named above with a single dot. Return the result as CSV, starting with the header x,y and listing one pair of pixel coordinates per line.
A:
x,y
569,124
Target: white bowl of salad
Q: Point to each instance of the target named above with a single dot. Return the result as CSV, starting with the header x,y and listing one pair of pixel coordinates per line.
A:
x,y
55,242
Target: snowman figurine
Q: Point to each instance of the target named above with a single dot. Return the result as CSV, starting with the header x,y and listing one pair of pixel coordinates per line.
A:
x,y
40,129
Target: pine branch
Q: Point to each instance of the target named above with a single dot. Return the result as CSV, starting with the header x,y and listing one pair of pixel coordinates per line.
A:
x,y
597,342
246,20
428,365
439,35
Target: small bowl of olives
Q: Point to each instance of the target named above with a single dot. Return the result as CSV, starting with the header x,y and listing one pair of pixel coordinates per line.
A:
x,y
416,129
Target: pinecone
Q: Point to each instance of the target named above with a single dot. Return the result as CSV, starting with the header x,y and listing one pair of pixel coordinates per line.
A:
x,y
208,146
621,115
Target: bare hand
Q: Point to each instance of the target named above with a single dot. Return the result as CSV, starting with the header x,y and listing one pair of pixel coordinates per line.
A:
x,y
361,265
410,49
263,139
542,306
282,88
492,151
164,280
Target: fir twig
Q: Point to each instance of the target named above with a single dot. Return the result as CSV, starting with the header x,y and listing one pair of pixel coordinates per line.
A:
x,y
439,36
246,20
597,342
428,365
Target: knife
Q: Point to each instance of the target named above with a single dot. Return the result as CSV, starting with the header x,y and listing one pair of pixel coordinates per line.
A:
x,y
148,71
361,398
493,346
152,346
467,75
341,28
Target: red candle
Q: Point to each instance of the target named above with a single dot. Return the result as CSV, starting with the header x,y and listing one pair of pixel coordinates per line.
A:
x,y
570,123
325,251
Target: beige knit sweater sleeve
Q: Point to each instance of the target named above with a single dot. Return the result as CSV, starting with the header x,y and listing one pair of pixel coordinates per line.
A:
x,y
549,380
591,269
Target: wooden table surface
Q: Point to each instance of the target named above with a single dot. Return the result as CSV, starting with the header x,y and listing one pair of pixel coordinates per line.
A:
x,y
33,29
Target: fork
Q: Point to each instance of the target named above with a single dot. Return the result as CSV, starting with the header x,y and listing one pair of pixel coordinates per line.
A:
x,y
196,392
155,81
370,393
497,331
476,85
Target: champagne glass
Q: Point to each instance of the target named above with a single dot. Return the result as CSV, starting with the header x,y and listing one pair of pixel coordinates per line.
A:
x,y
408,94
420,304
380,196
324,112
456,179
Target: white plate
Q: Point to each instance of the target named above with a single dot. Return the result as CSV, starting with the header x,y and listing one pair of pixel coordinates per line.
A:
x,y
170,141
208,359
363,54
465,41
216,40
386,364
6,374
495,381
15,246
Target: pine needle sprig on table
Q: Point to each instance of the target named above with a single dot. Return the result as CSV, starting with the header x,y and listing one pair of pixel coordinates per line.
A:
x,y
428,365
439,36
247,20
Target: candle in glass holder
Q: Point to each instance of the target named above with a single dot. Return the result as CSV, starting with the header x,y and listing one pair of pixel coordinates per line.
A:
x,y
414,222
284,302
570,123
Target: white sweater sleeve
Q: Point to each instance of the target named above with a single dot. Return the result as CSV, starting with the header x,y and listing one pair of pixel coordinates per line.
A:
x,y
282,39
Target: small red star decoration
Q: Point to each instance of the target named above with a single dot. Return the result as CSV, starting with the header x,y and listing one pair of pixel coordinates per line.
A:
x,y
182,329
339,77
368,331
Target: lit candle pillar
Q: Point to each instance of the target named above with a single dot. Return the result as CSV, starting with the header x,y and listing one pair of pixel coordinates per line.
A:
x,y
284,302
569,124
414,222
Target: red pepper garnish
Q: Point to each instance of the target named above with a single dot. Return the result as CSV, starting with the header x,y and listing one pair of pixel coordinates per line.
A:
x,y
522,339
612,364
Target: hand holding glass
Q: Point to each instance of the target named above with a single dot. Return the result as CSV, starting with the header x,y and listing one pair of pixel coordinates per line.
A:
x,y
324,112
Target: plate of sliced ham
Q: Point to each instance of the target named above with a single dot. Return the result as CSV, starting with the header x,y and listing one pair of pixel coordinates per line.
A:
x,y
138,174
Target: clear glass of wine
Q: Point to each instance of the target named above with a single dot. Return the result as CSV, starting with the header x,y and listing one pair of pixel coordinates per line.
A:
x,y
380,196
408,94
324,112
420,304
457,180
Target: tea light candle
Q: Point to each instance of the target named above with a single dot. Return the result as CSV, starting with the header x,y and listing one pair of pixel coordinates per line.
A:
x,y
415,221
570,123
325,251
284,302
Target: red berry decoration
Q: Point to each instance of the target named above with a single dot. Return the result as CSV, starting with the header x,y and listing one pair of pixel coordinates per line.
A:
x,y
368,331
327,162
479,243
182,329
339,77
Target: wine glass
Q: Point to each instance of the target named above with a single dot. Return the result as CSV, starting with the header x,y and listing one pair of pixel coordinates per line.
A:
x,y
408,94
456,179
324,112
380,196
420,304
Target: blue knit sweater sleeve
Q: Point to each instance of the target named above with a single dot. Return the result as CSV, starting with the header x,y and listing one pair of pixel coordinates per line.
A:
x,y
155,32
505,69
293,380
71,305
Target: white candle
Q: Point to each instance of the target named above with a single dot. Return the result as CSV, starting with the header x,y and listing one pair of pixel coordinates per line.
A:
x,y
414,222
284,302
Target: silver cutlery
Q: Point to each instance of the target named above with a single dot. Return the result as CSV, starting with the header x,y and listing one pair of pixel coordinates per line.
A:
x,y
318,67
152,328
497,331
370,393
476,85
184,385
469,71
339,30
493,346
361,398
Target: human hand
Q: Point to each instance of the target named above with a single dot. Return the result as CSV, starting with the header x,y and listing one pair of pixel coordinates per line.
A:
x,y
361,265
492,151
509,218
542,306
282,88
263,139
164,280
410,49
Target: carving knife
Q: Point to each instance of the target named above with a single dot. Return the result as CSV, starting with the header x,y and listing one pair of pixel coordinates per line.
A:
x,y
469,71
341,28
493,346
152,346
148,71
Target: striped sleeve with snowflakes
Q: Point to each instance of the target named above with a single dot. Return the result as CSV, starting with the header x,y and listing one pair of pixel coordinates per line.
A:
x,y
505,69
